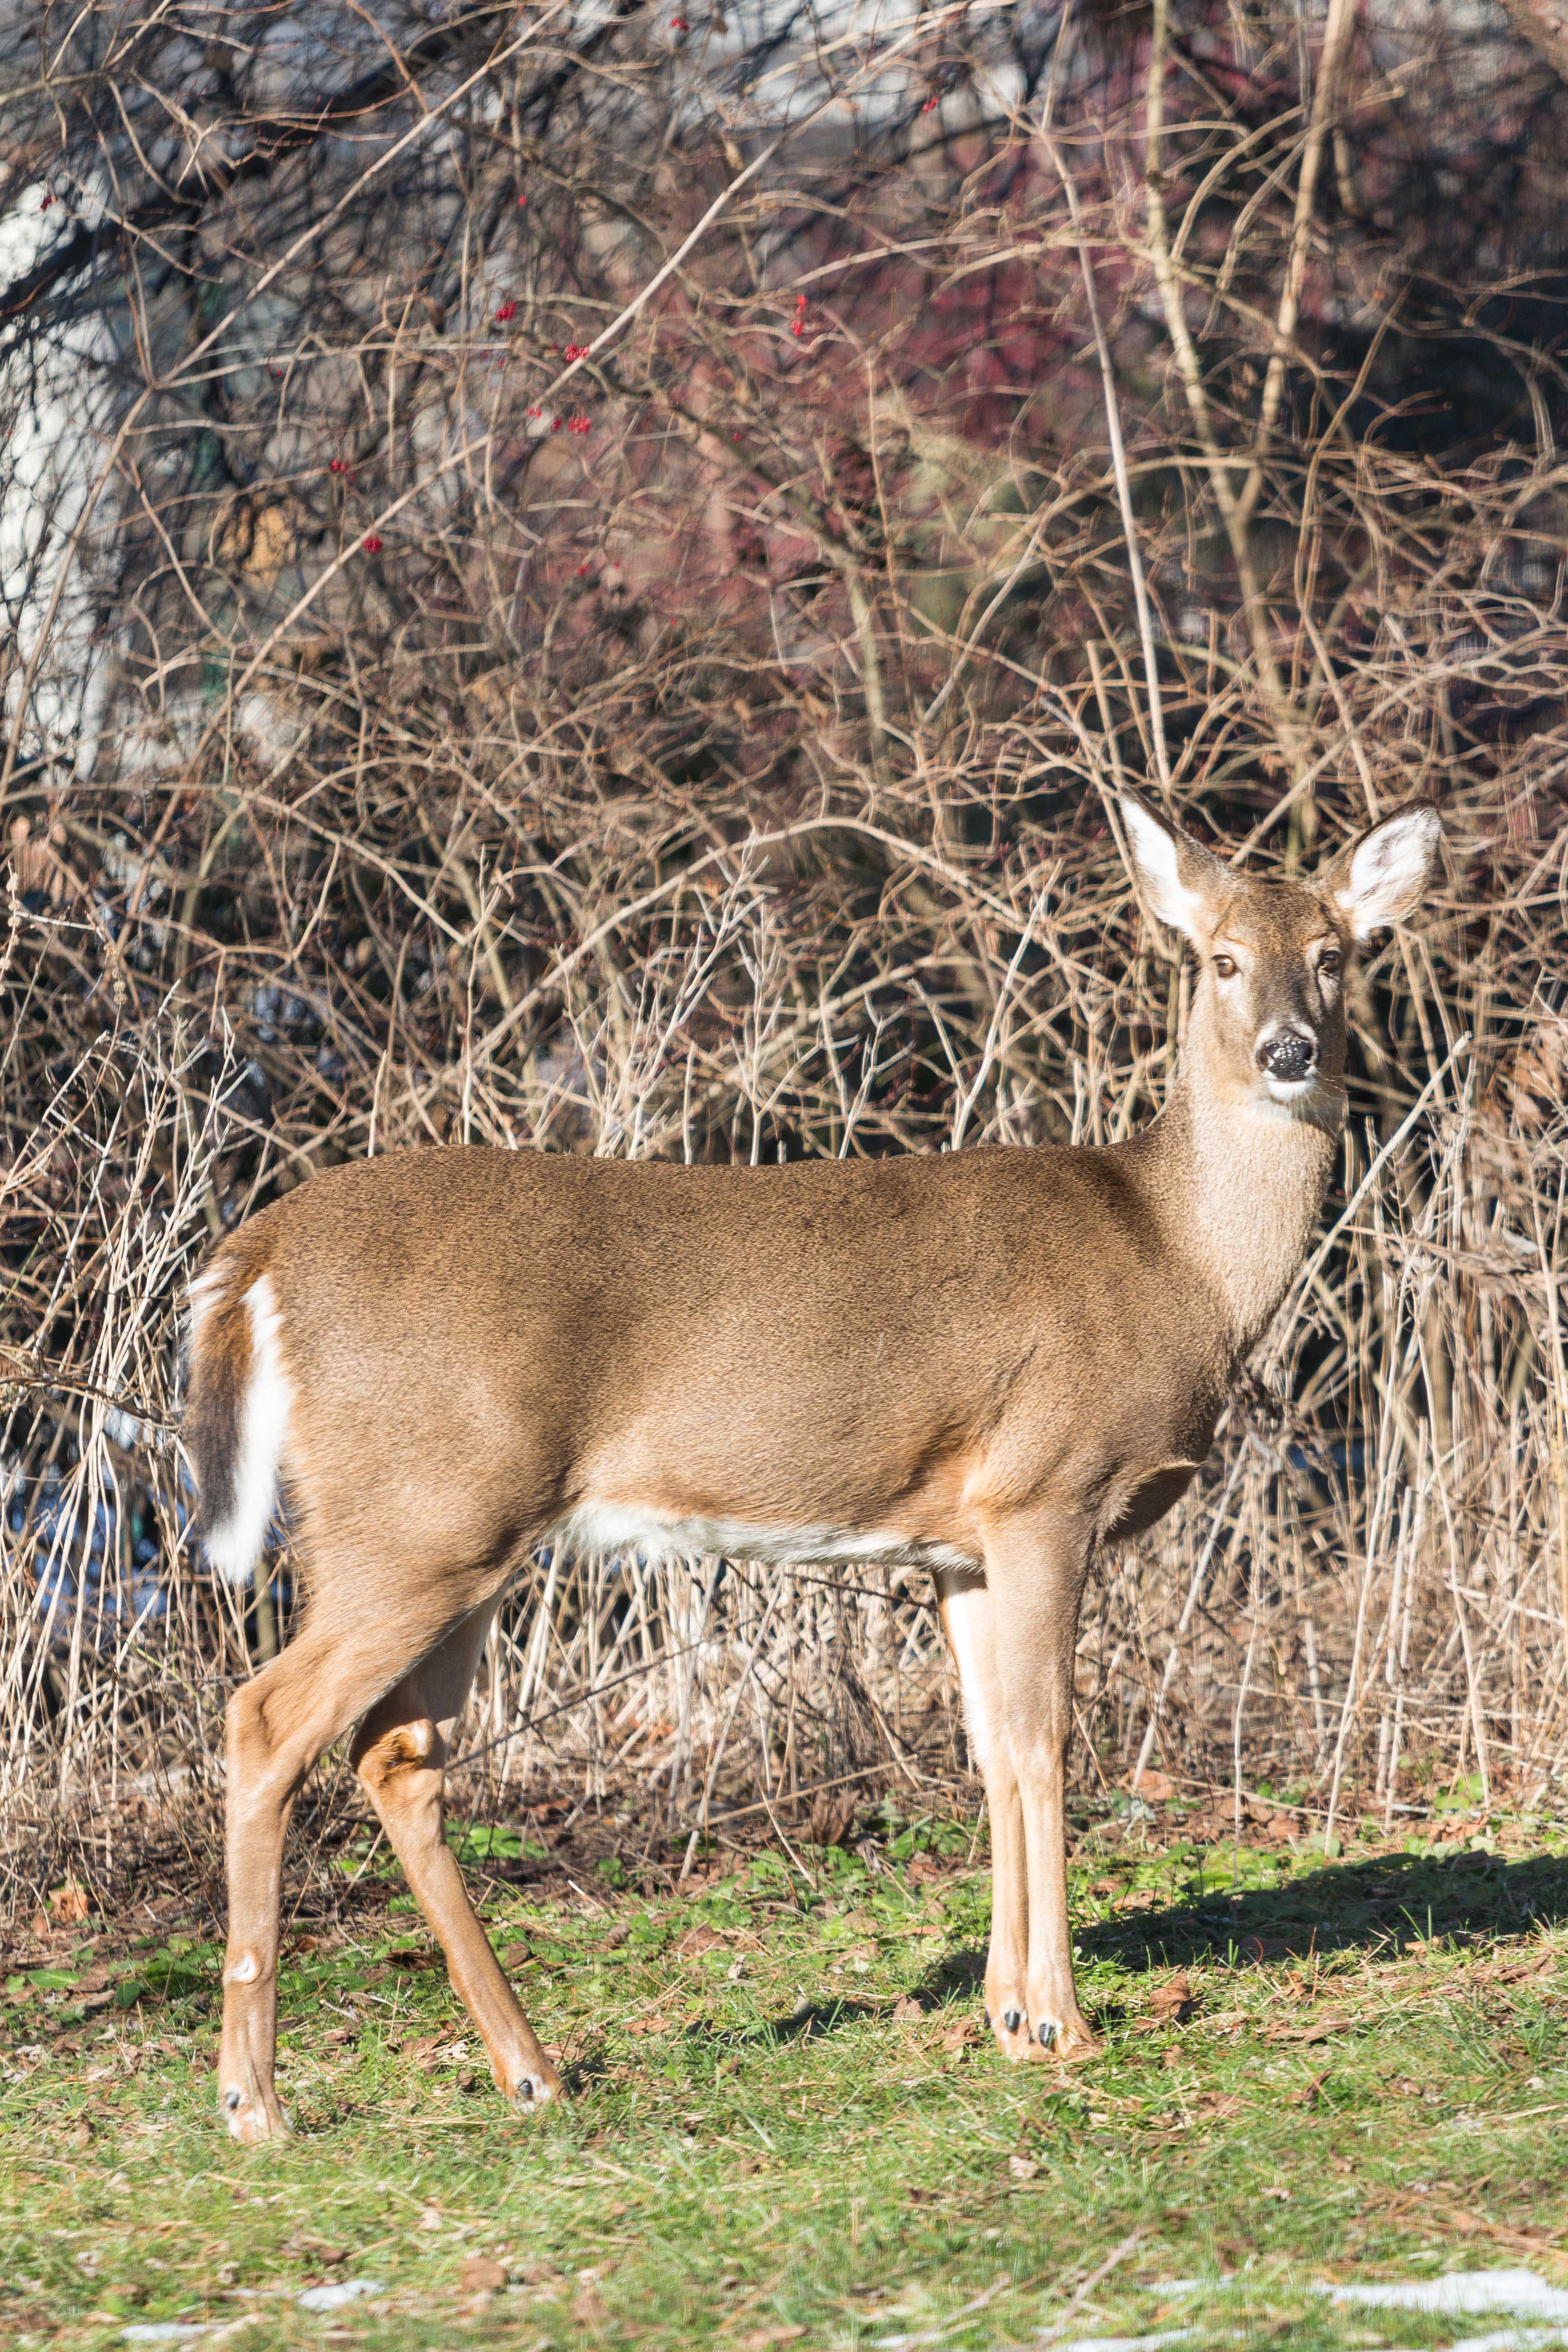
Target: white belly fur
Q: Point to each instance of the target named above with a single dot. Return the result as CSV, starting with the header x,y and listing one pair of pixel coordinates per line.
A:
x,y
616,1527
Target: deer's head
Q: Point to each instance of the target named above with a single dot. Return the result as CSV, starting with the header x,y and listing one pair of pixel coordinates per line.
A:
x,y
1268,1015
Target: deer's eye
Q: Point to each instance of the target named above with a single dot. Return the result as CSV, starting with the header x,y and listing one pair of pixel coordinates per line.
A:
x,y
1224,967
1328,963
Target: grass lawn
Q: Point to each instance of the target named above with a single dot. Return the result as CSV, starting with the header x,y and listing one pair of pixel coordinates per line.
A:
x,y
789,2124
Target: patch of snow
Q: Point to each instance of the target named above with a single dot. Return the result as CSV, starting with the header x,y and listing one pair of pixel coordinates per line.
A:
x,y
1512,2340
1519,2291
332,2298
1127,2343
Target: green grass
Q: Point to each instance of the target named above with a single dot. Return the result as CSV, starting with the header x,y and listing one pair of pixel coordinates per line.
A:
x,y
1367,2075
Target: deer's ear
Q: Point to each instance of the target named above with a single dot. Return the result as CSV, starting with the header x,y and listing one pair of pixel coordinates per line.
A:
x,y
1183,878
1382,877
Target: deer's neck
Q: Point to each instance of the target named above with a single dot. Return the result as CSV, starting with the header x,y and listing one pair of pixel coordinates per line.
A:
x,y
1243,1183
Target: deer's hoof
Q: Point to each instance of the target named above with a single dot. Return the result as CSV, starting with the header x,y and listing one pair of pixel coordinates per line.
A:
x,y
534,2088
1067,2041
253,2121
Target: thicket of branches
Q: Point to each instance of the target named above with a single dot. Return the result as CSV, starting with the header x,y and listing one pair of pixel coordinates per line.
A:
x,y
581,578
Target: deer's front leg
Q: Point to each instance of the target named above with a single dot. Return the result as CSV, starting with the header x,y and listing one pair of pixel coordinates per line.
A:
x,y
966,1604
1036,1576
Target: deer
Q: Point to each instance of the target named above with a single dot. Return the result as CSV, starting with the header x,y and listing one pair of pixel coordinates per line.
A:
x,y
989,1364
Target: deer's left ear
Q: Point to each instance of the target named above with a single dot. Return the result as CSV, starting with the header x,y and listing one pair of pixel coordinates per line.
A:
x,y
1382,876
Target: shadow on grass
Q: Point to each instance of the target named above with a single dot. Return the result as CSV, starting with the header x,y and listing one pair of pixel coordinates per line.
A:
x,y
1387,1905
1384,1905
808,2024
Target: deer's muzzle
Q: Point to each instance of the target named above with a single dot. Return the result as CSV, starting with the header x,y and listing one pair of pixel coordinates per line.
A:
x,y
1288,1055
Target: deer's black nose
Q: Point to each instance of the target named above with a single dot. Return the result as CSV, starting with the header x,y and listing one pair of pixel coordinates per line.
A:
x,y
1288,1055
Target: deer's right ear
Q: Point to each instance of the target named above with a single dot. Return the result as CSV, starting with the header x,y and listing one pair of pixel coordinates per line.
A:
x,y
1179,876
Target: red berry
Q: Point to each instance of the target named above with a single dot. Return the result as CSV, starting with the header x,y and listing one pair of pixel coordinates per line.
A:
x,y
679,24
508,311
797,327
371,543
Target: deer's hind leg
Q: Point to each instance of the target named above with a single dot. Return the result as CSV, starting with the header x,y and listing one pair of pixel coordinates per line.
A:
x,y
278,1724
400,1753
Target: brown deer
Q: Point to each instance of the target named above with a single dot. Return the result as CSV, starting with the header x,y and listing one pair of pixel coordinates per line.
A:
x,y
984,1362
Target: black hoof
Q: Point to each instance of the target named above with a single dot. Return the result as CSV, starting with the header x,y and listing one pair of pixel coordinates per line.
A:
x,y
1011,2019
1047,2035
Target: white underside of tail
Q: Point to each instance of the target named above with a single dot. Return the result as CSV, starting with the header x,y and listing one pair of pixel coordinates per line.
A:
x,y
234,1543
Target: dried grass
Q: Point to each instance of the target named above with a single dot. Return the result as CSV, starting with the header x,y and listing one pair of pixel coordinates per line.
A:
x,y
727,781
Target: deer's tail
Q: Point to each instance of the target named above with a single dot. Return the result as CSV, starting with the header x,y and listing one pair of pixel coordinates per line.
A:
x,y
237,1407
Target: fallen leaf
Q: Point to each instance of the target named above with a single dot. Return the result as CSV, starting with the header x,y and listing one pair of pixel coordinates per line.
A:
x,y
1530,2239
69,1901
422,2047
757,2340
1220,2105
482,2273
700,1940
1157,1786
831,1814
82,2133
1323,2031
319,2250
588,2307
1173,2001
959,2036
1022,2168
907,2009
